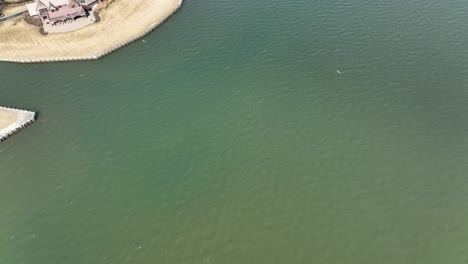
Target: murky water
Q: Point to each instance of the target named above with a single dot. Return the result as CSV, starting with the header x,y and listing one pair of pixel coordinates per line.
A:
x,y
248,132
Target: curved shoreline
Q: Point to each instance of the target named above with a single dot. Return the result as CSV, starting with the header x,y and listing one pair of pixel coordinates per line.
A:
x,y
158,21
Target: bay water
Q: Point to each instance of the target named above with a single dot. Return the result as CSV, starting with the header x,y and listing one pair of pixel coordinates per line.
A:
x,y
248,131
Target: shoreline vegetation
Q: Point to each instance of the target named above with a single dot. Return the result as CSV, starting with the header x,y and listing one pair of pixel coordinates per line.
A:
x,y
121,22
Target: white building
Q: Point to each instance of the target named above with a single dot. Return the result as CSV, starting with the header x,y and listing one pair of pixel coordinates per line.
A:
x,y
52,11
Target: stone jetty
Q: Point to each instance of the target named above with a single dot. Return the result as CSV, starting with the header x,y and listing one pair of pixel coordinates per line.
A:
x,y
12,120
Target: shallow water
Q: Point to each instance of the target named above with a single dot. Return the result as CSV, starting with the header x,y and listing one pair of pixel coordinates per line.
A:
x,y
248,132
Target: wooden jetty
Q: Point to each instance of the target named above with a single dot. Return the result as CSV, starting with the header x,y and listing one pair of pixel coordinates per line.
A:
x,y
12,120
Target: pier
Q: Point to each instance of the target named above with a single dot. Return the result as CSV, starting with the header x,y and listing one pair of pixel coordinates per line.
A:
x,y
12,120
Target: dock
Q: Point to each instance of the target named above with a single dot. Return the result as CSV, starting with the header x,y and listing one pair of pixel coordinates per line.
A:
x,y
12,120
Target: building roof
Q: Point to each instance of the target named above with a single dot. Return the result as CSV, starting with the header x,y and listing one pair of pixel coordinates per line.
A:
x,y
66,12
45,2
41,5
59,2
32,9
56,3
67,8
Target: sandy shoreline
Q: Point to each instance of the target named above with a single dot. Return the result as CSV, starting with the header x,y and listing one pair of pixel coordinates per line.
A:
x,y
7,118
12,120
11,10
123,22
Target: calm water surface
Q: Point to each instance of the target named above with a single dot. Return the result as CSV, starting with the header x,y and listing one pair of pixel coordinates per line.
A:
x,y
249,132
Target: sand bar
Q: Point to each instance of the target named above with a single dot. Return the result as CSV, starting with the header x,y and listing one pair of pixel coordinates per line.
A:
x,y
12,120
121,23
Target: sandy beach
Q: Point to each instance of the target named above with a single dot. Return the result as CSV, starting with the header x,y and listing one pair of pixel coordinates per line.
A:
x,y
121,22
11,10
7,118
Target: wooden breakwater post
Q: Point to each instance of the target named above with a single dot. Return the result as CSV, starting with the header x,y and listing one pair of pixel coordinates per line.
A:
x,y
12,120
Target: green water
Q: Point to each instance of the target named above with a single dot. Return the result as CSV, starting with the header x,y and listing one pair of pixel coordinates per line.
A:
x,y
229,136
